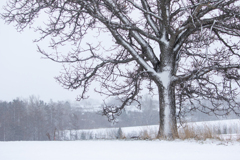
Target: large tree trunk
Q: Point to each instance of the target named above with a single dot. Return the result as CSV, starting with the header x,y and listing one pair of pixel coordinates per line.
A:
x,y
167,113
166,89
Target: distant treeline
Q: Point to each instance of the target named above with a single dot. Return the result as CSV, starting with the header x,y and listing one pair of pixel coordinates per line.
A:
x,y
36,120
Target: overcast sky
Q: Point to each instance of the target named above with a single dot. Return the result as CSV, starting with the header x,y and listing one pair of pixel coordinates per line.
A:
x,y
22,70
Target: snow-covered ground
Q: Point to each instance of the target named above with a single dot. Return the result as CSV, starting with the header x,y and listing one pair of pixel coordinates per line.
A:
x,y
120,150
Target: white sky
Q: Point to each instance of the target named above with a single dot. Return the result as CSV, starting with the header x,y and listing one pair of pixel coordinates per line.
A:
x,y
22,70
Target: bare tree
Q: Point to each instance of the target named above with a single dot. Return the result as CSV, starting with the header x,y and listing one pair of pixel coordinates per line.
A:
x,y
187,49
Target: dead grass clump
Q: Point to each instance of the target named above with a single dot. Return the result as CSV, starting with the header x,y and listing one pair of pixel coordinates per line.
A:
x,y
144,135
187,132
194,132
147,133
207,132
238,138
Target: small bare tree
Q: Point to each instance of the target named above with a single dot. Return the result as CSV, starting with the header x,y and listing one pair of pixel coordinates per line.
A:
x,y
187,49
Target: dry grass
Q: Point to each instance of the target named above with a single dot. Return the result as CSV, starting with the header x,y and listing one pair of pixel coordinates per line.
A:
x,y
208,132
238,138
148,134
192,132
144,135
187,132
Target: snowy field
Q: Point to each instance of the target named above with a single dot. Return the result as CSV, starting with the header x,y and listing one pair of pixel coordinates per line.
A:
x,y
120,150
224,129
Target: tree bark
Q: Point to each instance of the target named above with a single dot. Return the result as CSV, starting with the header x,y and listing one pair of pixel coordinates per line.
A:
x,y
166,89
167,113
